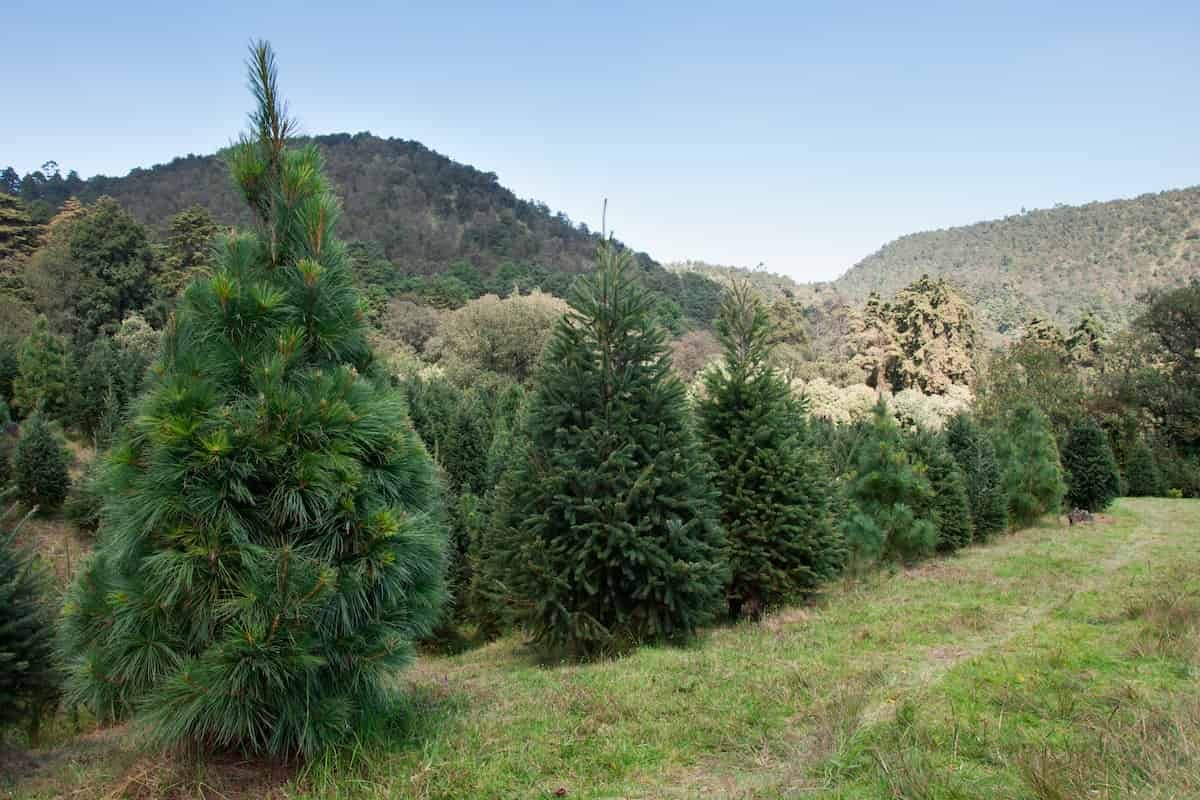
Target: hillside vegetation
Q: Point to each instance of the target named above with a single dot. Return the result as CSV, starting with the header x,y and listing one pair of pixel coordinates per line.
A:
x,y
424,209
1055,263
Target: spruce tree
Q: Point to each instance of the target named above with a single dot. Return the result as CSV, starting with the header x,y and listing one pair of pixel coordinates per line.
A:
x,y
270,547
1143,478
28,676
774,494
43,373
949,506
40,466
608,533
983,477
1090,467
890,497
1033,479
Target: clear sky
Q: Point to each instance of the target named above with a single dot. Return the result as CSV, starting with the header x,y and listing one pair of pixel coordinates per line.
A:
x,y
799,135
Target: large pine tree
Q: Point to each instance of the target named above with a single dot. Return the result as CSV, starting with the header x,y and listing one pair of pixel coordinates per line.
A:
x,y
270,548
608,533
774,494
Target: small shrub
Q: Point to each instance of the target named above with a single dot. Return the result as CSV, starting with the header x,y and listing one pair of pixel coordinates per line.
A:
x,y
40,466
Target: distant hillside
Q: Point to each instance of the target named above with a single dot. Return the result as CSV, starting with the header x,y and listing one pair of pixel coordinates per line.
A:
x,y
425,210
410,212
823,307
1055,263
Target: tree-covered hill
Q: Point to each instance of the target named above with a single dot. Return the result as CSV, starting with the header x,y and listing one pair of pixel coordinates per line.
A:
x,y
1055,263
424,209
415,218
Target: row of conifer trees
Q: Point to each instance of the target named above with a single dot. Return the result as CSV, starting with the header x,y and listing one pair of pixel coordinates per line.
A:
x,y
274,535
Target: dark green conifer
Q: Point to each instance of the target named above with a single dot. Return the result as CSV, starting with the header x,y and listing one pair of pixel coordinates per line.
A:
x,y
28,676
891,499
976,455
609,533
43,373
1090,467
270,546
40,465
949,507
1143,478
1033,479
774,492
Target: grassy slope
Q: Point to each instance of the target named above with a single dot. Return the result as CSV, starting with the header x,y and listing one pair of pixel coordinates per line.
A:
x,y
1056,662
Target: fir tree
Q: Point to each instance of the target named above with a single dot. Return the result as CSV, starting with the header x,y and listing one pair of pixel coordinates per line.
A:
x,y
891,499
774,496
43,373
949,507
1090,467
28,677
1143,477
609,534
1033,479
40,466
270,547
976,455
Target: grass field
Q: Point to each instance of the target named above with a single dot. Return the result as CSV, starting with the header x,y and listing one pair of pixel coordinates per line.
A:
x,y
1057,662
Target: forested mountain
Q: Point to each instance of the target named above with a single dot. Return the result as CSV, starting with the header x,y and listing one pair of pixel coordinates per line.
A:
x,y
416,221
1055,263
424,209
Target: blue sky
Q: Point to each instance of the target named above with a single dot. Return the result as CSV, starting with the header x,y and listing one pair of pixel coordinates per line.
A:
x,y
799,135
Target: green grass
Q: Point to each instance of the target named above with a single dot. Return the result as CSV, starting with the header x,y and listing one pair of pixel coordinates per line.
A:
x,y
1053,663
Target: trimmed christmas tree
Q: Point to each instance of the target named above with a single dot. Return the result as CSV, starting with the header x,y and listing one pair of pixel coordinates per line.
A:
x,y
609,534
983,478
1090,467
40,466
949,507
1033,479
270,547
774,496
890,497
1143,478
28,677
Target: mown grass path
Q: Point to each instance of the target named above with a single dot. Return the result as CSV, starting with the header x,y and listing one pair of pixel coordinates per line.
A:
x,y
805,703
1057,662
